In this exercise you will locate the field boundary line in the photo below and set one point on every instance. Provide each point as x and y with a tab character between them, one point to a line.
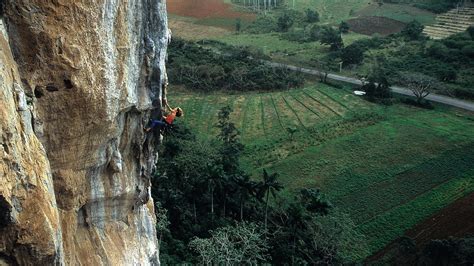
244	117
294	112
276	111
321	103
333	99
311	110
263	117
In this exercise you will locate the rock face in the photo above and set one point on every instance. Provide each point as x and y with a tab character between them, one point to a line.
79	80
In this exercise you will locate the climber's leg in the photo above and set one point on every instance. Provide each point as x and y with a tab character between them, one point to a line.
154	124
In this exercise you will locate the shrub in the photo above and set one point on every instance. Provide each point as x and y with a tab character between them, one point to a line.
446	73
352	54
284	22
312	16
344	27
437	50
413	30
297	35
468	50
470	31
331	37
263	24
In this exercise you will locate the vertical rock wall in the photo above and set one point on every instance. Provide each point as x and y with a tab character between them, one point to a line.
90	73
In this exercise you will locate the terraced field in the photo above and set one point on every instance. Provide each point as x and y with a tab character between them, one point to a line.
388	167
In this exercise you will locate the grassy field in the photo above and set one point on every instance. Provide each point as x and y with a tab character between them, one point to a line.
281	50
388	167
403	13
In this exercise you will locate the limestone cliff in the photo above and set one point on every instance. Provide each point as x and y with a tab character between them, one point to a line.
79	79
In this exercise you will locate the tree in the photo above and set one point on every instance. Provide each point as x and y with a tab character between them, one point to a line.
215	175
413	30
352	54
238	24
470	30
313	201
246	188
378	87
162	221
451	251
334	240
269	185
243	244
331	37
312	16
420	84
229	135
325	65
284	22
344	27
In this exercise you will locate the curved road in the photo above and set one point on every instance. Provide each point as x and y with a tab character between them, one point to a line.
400	90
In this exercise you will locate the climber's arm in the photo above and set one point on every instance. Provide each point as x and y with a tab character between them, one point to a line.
164	94
166	105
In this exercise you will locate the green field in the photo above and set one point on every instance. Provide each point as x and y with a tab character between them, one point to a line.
388	167
403	13
281	50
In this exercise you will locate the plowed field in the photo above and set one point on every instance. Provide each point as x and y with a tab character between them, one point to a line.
204	9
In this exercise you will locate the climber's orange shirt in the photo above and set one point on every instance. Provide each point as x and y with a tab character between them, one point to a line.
170	118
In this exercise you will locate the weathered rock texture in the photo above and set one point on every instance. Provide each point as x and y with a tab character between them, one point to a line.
78	83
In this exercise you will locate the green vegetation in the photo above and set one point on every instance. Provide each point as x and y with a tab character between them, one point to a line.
437	6
241	244
283	50
451	251
382	163
228	68
387	167
205	197
401	12
448	60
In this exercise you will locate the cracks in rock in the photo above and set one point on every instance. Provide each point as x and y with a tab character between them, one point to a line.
82	217
38	92
68	84
5	213
51	87
114	157
5	148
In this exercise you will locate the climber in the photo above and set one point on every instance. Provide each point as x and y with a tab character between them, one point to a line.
173	113
166	120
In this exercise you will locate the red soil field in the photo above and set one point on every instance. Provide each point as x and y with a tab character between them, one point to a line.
204	9
456	220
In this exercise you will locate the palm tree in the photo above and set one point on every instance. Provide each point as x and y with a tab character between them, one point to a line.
268	186
246	187
214	177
